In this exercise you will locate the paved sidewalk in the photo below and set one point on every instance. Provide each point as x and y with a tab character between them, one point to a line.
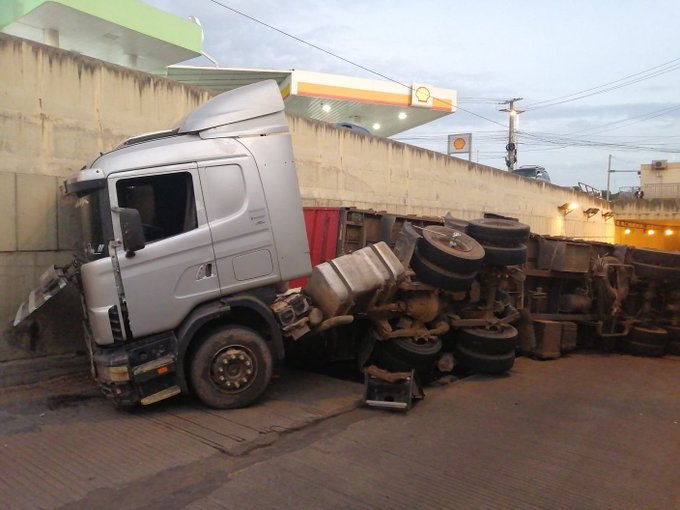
589	431
584	432
60	440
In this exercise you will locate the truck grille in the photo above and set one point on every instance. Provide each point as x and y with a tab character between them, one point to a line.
116	326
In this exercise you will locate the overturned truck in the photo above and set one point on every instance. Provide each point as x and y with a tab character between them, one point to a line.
475	294
192	235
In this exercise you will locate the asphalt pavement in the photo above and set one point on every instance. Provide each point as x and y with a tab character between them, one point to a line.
585	431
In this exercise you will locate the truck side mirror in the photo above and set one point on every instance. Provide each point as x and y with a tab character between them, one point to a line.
133	230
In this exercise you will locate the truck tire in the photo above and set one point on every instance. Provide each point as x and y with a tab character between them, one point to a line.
231	368
498	231
651	335
655	257
673	340
500	339
657	273
414	350
644	349
429	273
500	256
450	249
404	354
484	363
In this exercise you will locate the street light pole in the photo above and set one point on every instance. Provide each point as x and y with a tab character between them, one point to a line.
511	147
609	174
610	171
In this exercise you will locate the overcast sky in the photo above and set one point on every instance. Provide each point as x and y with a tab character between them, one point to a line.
489	51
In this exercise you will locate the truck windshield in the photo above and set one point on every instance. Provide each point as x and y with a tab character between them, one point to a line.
94	244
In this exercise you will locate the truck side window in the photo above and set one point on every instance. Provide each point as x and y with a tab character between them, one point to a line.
165	203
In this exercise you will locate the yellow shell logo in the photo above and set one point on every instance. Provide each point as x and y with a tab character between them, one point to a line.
423	94
459	143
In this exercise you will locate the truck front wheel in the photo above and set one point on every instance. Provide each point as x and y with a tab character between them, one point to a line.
231	368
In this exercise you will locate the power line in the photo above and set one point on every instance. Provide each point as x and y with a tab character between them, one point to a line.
562	142
646	74
335	55
639	118
576	142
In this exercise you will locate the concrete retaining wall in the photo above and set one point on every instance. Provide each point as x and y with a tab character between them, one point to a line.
342	167
59	109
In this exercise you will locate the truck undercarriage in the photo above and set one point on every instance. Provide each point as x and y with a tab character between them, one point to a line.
472	295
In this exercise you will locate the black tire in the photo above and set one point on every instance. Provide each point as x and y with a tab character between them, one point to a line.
673	340
450	249
498	231
644	349
404	354
457	223
651	335
410	349
231	368
388	362
505	256
500	339
673	333
657	273
484	363
655	257
429	273
674	348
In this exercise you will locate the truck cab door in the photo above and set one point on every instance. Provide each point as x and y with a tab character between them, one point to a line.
236	206
175	271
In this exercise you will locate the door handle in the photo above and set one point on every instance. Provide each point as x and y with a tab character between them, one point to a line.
205	271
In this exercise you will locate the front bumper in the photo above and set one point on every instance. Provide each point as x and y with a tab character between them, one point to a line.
122	377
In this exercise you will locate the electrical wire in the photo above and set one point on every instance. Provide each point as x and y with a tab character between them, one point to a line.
561	141
576	142
335	55
627	122
646	74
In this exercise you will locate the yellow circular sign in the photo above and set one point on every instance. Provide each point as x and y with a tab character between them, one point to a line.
423	94
459	143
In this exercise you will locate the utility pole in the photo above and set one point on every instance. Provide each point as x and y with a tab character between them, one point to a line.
609	174
511	146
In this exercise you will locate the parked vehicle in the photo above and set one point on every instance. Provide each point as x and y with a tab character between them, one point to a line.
353	127
532	172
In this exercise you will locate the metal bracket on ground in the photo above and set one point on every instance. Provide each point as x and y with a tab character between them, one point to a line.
391	390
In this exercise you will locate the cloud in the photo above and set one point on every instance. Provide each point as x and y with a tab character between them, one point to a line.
485	50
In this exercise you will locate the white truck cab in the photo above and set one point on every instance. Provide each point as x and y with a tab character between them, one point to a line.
188	236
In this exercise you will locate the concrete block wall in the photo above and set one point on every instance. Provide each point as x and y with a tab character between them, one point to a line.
340	167
58	110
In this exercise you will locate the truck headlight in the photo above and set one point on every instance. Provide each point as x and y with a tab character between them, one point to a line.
112	367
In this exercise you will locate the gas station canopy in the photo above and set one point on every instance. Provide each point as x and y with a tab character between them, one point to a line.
134	34
384	108
125	32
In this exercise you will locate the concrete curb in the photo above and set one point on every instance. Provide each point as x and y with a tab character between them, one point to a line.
32	370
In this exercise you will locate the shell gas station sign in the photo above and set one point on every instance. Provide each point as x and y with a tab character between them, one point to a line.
421	95
460	144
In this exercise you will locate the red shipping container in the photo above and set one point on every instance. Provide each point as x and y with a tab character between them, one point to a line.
322	224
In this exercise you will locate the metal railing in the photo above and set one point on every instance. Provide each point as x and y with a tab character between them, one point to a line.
627	192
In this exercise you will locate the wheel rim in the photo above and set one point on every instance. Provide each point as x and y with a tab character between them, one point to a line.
233	369
454	241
